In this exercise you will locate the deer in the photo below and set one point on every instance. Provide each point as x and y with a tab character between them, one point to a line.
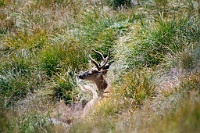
96	75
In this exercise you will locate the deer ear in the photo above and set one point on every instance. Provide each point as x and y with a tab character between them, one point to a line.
104	71
111	62
107	66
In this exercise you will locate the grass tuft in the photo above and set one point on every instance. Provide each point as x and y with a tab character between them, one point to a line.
137	87
45	44
64	88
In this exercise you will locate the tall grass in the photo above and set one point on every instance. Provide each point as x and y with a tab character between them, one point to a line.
138	86
45	43
65	88
34	123
168	37
185	116
4	120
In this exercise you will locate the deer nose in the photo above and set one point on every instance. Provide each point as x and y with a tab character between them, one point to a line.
82	75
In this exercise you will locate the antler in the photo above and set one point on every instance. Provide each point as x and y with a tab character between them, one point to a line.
95	62
99	53
103	62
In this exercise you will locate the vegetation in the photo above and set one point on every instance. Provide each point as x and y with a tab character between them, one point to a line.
156	74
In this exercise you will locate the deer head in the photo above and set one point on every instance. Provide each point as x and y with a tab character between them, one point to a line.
96	73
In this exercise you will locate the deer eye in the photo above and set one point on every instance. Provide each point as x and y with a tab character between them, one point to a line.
89	72
95	71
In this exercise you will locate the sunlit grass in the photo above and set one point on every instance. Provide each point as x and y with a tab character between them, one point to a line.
185	117
45	43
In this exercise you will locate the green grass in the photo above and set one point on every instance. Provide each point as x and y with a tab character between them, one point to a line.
45	44
34	123
185	117
166	37
138	86
65	88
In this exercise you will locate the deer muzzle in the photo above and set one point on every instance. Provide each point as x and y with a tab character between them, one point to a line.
83	75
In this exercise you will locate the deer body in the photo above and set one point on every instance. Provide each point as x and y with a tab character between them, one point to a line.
96	74
92	102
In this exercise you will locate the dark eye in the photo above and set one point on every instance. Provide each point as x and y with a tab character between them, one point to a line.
95	71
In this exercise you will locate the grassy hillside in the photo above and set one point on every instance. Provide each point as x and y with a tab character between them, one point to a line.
156	74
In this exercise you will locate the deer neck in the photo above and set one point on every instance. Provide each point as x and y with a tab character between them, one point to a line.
101	83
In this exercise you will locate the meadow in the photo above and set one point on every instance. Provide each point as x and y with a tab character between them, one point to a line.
45	44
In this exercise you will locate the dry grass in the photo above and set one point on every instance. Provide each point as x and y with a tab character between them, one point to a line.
155	45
